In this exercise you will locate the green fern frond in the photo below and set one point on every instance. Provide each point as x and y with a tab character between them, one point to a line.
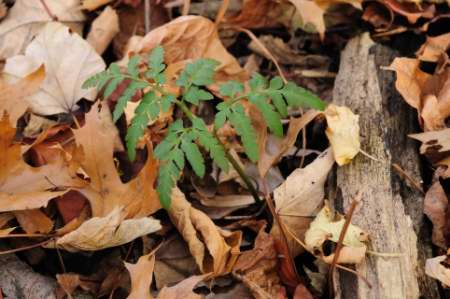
193	155
241	122
129	92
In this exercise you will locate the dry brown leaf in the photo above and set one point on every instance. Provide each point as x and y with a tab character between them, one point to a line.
301	197
276	148
27	17
34	221
323	228
183	290
410	10
3	9
435	207
65	74
93	4
434	47
23	187
436	268
410	80
312	12
436	147
258	268
214	250
343	133
188	38
12	96
103	30
141	275
260	13
106	191
109	231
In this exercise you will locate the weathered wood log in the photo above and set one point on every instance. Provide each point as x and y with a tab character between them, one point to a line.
391	211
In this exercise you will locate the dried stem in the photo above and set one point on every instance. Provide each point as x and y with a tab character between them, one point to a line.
348	218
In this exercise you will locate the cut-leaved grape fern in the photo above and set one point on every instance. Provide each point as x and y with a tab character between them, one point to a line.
272	98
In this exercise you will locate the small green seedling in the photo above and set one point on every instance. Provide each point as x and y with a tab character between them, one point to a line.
272	98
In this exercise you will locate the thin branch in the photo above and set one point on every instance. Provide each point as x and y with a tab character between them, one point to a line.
348	218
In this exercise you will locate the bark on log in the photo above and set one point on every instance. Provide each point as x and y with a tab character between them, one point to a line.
390	211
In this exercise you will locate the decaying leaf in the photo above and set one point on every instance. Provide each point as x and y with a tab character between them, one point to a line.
257	268
34	221
435	207
434	48
276	147
12	96
437	268
312	12
65	74
23	187
410	10
301	197
141	275
109	231
436	146
343	133
27	17
103	30
429	94
187	38
323	228
218	250
106	191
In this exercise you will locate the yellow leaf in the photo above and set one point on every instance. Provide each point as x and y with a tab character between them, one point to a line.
109	231
324	228
343	133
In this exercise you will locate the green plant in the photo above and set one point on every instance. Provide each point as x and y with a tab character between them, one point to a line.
272	98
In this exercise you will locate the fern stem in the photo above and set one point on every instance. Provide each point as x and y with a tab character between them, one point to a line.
230	158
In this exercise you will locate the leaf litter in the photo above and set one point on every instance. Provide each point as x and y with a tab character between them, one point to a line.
68	187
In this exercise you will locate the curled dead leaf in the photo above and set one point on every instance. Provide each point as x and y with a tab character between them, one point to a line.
343	133
109	231
214	250
323	228
103	30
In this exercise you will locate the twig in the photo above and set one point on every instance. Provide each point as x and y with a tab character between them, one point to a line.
147	16
404	174
281	225
25	247
50	14
348	218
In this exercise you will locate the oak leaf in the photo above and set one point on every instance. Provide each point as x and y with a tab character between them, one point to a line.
12	96
141	275
27	17
109	231
65	74
343	133
23	187
106	191
301	197
214	250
